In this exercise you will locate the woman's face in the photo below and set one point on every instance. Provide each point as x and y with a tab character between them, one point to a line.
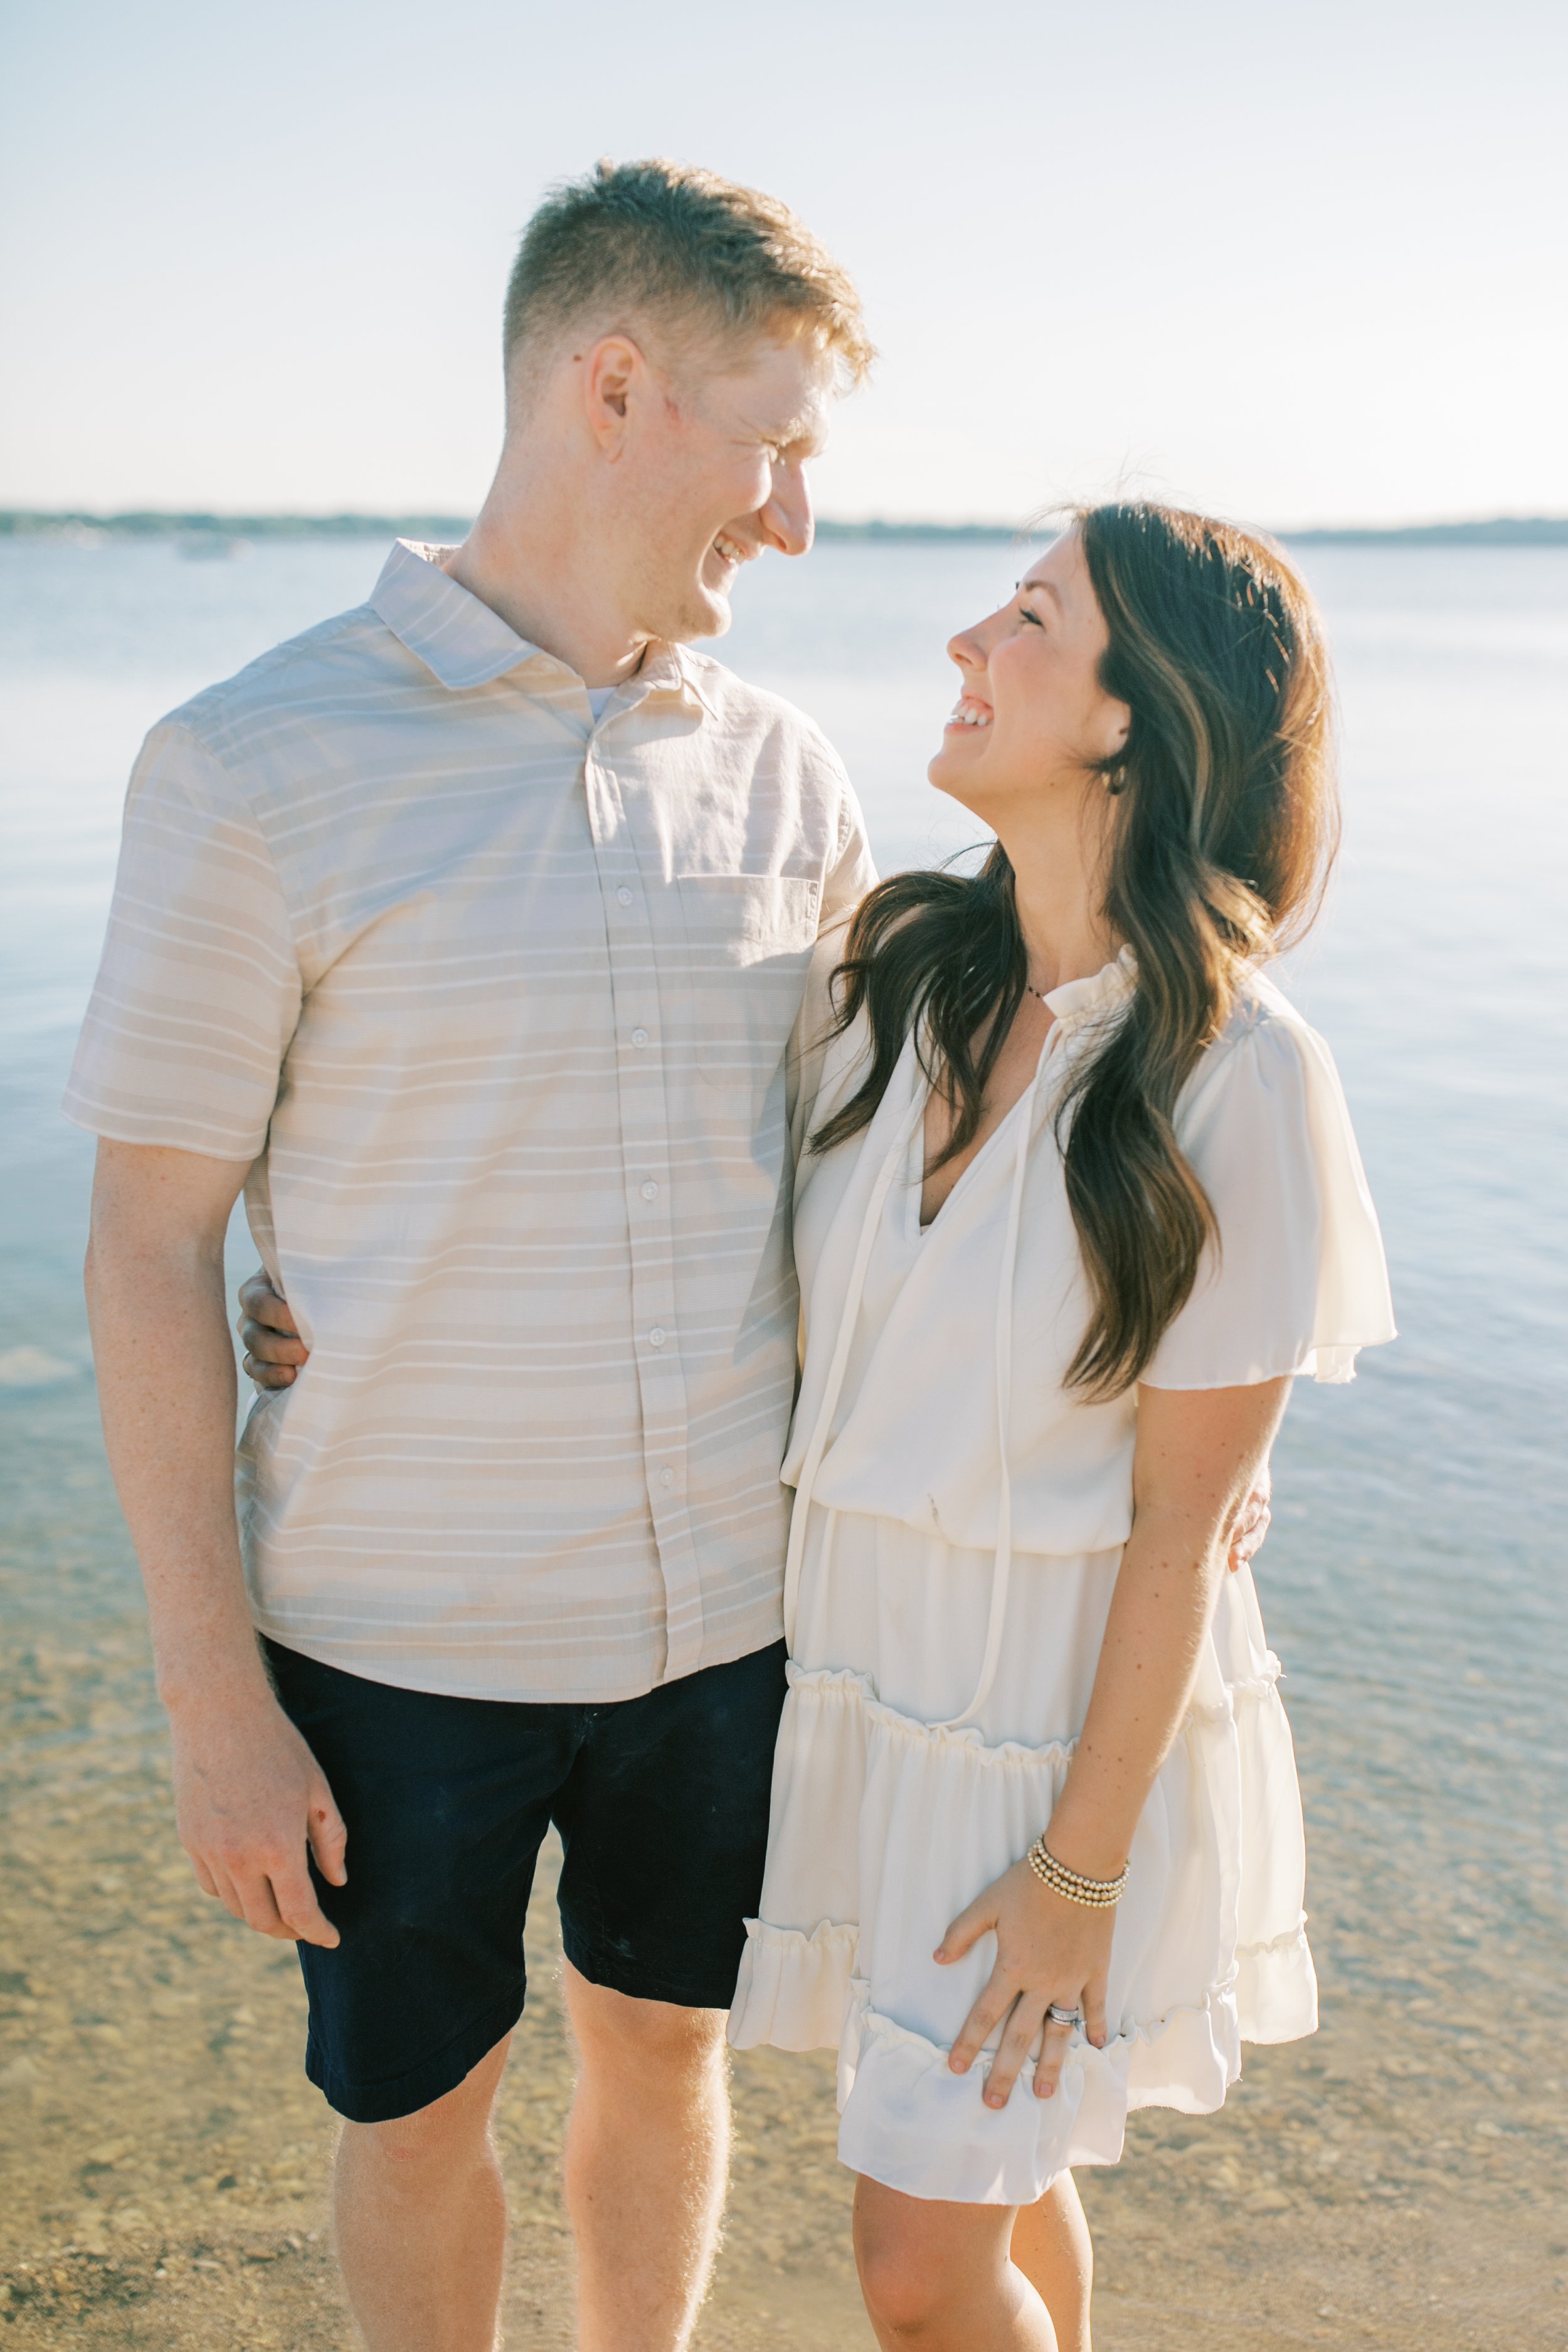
1032	716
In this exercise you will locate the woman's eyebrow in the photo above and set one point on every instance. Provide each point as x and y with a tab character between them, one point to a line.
1041	588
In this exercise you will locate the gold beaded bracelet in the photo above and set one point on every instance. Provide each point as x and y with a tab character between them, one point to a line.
1098	1894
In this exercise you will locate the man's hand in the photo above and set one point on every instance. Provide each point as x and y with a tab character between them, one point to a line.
251	1802
273	1347
1251	1523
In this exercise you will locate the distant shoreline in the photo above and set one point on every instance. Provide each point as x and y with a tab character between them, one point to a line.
20	522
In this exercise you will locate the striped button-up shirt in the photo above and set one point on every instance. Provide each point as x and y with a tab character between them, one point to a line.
496	998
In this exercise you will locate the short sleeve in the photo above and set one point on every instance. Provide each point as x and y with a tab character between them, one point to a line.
1299	1282
815	1034
198	991
853	871
852	874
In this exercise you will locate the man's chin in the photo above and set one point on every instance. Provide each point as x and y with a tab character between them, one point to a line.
706	614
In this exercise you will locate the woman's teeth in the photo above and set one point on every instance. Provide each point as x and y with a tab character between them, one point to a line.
970	714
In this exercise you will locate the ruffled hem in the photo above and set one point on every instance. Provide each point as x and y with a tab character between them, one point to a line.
910	2122
792	1988
1276	1987
1211	1948
846	1686
965	1740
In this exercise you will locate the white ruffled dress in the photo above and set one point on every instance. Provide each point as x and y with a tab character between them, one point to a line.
948	1592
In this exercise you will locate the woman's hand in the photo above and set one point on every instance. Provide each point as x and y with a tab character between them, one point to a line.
1047	1950
269	1336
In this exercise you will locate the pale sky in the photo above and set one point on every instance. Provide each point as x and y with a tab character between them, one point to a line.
1297	263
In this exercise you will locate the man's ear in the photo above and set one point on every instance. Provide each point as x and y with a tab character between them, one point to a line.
613	373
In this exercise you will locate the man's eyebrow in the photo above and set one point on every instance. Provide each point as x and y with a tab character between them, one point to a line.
810	424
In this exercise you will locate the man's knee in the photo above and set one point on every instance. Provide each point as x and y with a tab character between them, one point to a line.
449	2129
644	2037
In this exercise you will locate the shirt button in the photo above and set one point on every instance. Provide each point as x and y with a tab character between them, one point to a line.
650	1191
666	1477
658	1336
623	895
639	1037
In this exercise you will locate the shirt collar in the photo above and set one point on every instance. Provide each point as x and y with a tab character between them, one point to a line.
674	669
465	644
1079	1000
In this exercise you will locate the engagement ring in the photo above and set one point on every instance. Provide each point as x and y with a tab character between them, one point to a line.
1056	2015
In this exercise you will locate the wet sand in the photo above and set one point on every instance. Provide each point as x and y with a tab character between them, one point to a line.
1398	2180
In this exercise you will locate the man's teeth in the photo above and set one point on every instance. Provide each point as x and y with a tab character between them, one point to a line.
969	714
729	550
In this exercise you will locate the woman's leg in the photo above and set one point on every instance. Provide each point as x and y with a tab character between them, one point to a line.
1052	2247
940	2277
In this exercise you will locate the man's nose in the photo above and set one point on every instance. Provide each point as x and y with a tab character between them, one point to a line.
787	518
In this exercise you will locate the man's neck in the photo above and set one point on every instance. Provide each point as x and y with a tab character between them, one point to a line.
523	559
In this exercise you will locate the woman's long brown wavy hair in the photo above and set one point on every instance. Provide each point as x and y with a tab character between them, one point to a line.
1224	829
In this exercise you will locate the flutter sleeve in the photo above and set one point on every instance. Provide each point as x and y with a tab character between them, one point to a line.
1298	1282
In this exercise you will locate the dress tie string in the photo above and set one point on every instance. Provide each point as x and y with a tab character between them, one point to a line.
847	1319
1002	1566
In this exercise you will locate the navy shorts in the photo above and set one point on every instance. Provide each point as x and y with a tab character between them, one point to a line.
662	1806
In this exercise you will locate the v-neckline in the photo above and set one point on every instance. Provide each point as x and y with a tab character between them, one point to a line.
917	1144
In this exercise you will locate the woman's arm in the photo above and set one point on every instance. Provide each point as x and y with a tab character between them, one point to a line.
1199	1454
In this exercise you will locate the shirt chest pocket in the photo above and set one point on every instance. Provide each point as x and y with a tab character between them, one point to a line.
748	941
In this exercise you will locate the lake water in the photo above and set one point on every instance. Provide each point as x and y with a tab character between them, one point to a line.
1401	2179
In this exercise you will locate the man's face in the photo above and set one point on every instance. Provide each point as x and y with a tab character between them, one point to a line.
712	471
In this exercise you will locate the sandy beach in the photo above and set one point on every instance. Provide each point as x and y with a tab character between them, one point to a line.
165	2161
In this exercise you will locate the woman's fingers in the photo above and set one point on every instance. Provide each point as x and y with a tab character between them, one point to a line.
967	1929
1055	2044
1094	2024
1013	2049
271	1347
269	1335
982	2019
262	1304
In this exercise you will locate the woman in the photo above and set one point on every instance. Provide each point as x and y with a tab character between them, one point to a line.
1078	1198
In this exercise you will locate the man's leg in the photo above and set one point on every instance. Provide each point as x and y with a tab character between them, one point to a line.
421	2222
647	2157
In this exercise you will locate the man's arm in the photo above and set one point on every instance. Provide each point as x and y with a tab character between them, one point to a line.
250	1797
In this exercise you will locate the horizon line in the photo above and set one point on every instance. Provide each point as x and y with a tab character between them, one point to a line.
23	523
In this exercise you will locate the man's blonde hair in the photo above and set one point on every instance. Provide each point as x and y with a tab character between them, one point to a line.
683	249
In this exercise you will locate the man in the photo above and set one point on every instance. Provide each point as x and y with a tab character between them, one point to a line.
465	933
